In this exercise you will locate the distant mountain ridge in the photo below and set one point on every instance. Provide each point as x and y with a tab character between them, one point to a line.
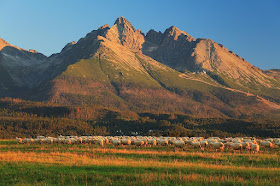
275	73
123	68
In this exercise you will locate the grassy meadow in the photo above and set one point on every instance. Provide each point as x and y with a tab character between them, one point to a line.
89	164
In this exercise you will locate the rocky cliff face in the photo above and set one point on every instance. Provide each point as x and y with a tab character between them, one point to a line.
173	48
180	51
124	33
216	58
21	65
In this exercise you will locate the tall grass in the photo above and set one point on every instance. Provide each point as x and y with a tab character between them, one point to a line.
90	164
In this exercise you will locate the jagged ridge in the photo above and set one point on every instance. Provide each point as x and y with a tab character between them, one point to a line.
111	67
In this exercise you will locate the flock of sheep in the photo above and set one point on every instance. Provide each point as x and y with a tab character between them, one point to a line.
238	143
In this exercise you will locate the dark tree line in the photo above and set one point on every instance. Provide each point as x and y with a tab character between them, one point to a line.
28	119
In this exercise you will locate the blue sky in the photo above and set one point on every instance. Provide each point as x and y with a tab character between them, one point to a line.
250	28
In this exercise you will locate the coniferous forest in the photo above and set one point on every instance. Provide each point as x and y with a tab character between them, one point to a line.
21	118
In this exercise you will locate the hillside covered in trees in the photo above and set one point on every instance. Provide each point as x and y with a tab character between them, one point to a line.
20	118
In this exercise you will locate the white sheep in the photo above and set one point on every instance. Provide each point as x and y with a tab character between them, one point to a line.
27	140
196	144
125	141
245	145
236	146
237	143
266	144
204	143
116	142
218	145
19	140
106	141
99	142
163	142
255	147
67	141
139	142
152	142
179	143
79	140
49	140
37	141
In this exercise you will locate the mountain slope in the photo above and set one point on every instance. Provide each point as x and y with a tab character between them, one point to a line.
275	73
182	52
111	67
120	76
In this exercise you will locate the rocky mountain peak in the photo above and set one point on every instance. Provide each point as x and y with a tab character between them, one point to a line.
173	29
124	23
176	33
68	46
32	51
103	27
3	43
154	37
125	34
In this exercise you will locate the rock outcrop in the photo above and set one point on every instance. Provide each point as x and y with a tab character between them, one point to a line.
122	32
182	52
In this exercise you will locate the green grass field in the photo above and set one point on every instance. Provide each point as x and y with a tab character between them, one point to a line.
88	164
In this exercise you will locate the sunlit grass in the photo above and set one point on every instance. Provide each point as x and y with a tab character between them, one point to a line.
91	164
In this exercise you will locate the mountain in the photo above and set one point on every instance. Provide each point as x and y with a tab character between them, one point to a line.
180	51
121	67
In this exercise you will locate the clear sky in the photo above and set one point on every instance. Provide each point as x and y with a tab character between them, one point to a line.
250	28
